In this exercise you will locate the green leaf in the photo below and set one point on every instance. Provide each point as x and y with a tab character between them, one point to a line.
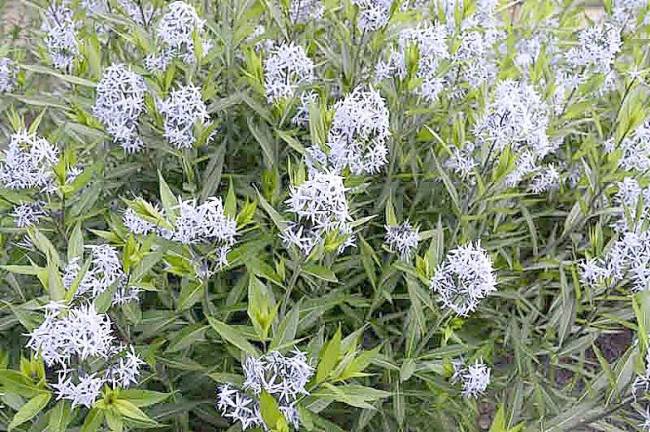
130	410
142	398
449	185
286	331
356	367
76	243
15	382
32	270
69	78
44	245
230	206
391	219
352	394
59	417
233	336
93	420
188	336
167	198
28	411
641	306
114	421
273	214
499	422
271	414
320	272
55	286
191	292
328	357
262	309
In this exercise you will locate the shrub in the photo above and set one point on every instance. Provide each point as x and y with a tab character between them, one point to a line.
277	215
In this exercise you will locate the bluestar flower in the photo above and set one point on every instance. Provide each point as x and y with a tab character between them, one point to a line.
84	392
126	370
358	137
596	52
60	35
94	7
431	43
176	30
140	13
7	75
303	11
182	110
516	117
373	14
119	105
402	239
462	161
236	405
285	377
320	207
635	149
545	179
301	118
28	214
464	278
136	224
286	69
28	163
627	259
474	378
81	333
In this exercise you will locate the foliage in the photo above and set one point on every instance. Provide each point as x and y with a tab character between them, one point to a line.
325	216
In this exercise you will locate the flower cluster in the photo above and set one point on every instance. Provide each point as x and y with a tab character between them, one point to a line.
104	271
176	31
431	43
358	137
283	377
193	224
545	179
7	75
402	239
320	207
204	223
182	110
475	59
28	163
140	13
628	258
60	35
597	48
286	68
69	339
94	7
474	378
304	11
634	148
517	118
236	405
462	161
630	194
373	14
28	214
119	104
301	118
465	277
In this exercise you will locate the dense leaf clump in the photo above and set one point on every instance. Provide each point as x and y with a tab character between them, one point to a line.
325	215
